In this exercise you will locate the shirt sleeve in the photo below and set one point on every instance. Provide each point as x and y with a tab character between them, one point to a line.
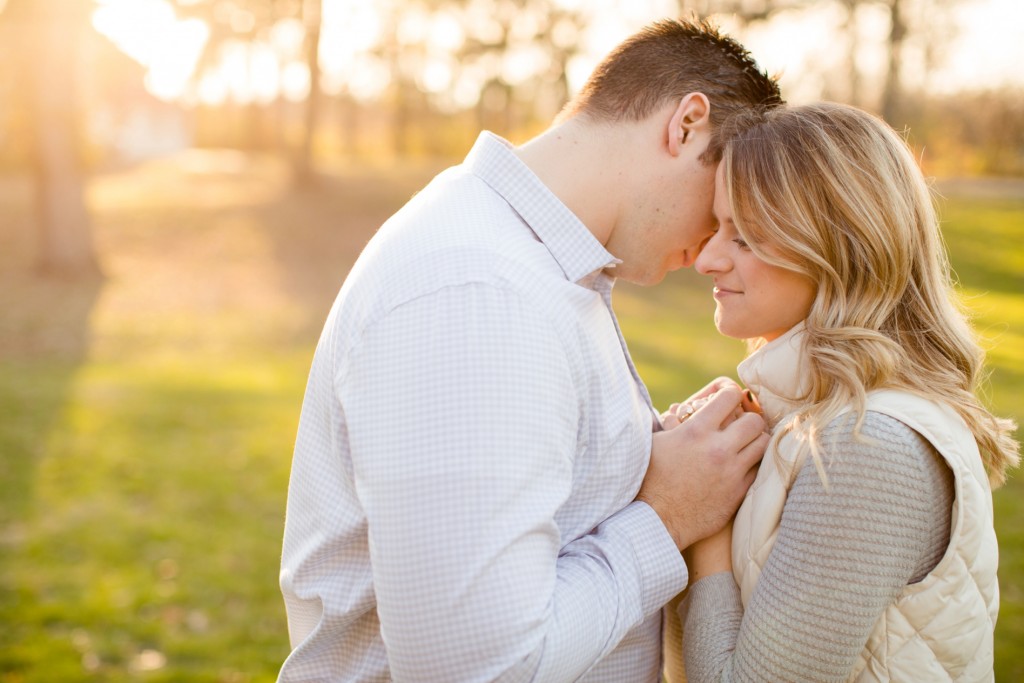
462	422
847	550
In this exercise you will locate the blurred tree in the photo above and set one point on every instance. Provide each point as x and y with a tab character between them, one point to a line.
312	12
490	27
403	50
425	68
969	133
892	92
504	60
925	23
249	22
559	34
523	49
744	11
49	38
232	23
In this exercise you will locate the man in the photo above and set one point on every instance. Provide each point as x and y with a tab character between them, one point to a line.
481	489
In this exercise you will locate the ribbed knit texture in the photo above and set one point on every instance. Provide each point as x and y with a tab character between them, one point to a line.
841	557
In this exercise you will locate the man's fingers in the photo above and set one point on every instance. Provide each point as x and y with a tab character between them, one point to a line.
752	453
749	477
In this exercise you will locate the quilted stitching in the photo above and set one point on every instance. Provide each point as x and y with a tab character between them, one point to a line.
924	630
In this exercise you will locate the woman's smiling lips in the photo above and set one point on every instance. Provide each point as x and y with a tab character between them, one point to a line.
722	292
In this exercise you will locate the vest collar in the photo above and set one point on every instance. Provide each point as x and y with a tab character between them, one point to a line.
774	374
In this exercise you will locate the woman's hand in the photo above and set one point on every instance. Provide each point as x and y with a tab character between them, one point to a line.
711	388
710	555
677	413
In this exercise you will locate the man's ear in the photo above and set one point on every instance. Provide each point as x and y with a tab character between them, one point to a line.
691	115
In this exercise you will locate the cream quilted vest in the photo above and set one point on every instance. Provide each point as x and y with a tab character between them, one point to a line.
939	629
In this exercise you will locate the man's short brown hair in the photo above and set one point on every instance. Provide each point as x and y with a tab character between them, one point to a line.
663	63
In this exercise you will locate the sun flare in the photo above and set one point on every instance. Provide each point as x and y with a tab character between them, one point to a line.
149	32
982	54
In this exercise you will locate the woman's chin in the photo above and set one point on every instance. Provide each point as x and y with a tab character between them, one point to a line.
724	328
726	332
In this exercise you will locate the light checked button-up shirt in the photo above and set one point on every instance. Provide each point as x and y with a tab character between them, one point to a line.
471	441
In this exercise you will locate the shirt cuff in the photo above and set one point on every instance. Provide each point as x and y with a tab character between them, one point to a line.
660	565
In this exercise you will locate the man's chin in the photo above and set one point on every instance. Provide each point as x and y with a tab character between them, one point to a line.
657	276
646	278
651	279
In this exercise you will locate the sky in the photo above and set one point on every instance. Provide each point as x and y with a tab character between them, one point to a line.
985	53
992	44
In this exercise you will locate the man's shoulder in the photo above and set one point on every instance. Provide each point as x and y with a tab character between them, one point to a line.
456	232
456	194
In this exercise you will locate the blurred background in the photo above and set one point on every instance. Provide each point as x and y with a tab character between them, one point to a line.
185	183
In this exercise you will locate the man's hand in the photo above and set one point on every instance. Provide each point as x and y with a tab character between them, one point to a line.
701	469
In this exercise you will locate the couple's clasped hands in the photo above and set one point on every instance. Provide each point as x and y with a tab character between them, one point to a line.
701	466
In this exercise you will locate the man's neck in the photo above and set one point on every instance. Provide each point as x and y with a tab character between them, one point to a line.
586	166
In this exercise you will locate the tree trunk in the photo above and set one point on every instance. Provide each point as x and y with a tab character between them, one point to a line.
402	122
348	120
52	37
852	50
311	14
893	90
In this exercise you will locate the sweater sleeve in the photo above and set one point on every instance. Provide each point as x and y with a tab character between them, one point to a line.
841	556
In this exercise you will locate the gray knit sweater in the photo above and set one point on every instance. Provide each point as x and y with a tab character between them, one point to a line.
840	558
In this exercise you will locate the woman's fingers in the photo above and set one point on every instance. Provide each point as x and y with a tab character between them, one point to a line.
678	413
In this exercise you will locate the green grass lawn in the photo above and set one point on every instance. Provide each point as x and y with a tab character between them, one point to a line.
148	419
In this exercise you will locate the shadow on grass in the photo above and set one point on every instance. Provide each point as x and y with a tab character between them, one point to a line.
149	419
44	339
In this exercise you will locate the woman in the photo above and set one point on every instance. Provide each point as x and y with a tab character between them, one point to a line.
865	548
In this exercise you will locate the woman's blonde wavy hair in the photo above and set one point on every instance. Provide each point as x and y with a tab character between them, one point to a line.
832	192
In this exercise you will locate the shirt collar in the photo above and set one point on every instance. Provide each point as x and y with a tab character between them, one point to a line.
572	245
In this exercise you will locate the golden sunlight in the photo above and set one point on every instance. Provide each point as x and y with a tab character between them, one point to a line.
149	32
982	53
988	50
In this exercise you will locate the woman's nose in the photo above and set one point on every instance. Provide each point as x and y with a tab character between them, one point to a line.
709	259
